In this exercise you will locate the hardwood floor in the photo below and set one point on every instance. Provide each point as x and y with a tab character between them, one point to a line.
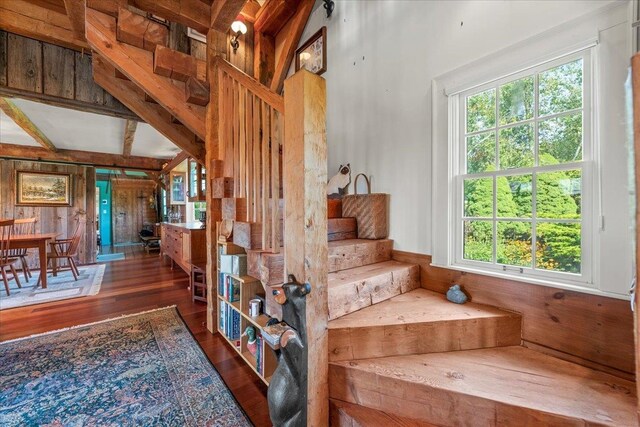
142	282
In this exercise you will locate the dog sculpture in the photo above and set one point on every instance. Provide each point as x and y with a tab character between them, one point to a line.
338	184
287	394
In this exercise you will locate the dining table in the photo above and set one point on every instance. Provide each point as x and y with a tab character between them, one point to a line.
37	241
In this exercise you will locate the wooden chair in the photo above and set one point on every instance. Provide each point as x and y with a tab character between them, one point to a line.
67	249
20	227
6	228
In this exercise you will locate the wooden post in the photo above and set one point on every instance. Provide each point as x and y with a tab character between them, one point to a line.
215	44
305	219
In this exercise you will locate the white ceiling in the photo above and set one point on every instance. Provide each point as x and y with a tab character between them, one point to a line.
77	130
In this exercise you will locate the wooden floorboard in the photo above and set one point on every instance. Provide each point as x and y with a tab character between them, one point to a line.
142	282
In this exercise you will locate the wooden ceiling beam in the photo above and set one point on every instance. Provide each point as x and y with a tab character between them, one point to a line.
192	13
18	116
130	127
291	44
134	99
75	12
273	15
25	152
224	12
179	158
30	20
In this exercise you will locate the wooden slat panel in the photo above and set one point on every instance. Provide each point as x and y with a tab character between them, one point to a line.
59	71
266	174
3	58
86	90
276	138
24	63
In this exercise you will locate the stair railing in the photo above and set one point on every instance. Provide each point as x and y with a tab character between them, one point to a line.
251	120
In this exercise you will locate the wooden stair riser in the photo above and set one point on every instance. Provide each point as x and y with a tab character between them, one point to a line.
342	229
344	414
138	31
268	267
347	254
509	386
196	92
222	188
176	65
249	234
347	295
234	209
420	338
334	208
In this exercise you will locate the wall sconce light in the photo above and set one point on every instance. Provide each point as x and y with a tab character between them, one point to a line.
328	7
239	28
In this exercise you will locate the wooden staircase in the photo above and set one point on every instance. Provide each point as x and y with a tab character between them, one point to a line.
400	355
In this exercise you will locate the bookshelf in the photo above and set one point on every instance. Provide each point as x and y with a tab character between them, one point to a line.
233	312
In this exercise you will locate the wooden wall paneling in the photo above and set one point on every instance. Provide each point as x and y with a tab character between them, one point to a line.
130	208
59	70
178	39
305	242
86	89
24	63
264	58
243	58
635	82
592	330
3	58
52	219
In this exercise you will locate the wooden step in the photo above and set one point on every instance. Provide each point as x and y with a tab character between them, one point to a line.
507	386
334	208
344	414
360	287
417	322
139	31
352	253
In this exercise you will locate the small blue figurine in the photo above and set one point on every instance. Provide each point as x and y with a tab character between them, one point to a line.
455	294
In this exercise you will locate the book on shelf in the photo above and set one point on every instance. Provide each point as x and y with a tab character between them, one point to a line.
272	334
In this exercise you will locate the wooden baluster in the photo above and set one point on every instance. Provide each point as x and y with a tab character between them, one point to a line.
249	155
275	180
236	139
266	130
257	211
242	140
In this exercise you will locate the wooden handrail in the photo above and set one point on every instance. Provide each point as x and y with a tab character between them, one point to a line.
267	95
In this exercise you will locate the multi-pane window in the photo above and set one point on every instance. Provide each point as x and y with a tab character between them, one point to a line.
524	150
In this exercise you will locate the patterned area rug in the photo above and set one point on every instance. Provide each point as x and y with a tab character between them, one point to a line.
139	370
60	287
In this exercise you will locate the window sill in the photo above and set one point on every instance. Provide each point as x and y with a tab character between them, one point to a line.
533	281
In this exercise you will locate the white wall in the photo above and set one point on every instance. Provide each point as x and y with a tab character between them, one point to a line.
381	59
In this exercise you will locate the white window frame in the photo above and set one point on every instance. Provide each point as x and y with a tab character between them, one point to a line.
457	115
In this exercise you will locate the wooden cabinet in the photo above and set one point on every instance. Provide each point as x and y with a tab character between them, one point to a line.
184	243
197	181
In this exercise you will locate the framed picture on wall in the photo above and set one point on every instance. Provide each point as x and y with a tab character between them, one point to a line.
43	188
178	186
313	54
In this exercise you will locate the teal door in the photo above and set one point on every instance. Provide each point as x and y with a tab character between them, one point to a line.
104	206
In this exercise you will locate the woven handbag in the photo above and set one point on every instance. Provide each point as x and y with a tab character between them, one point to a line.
369	210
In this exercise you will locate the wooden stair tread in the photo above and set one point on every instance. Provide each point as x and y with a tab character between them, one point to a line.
417	306
420	321
497	386
359	287
351	253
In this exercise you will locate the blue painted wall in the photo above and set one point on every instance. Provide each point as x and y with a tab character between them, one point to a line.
105	211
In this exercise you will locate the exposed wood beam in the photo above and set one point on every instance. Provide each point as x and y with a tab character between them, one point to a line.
224	12
72	104
155	177
250	11
29	20
179	158
75	12
273	15
16	114
129	133
133	98
192	13
291	44
24	152
137	65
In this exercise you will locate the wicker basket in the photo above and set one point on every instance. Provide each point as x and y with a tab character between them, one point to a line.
370	211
